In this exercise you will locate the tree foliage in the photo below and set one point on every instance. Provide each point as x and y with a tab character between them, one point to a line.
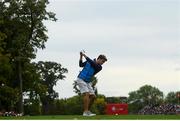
22	23
145	95
50	73
173	97
99	105
22	33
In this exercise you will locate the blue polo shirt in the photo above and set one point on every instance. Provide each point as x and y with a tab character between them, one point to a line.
90	68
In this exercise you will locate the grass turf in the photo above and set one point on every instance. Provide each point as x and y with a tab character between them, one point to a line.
98	117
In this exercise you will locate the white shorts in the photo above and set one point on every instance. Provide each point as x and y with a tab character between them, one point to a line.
84	86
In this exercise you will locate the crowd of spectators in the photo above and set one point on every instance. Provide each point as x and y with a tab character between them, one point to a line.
10	113
161	109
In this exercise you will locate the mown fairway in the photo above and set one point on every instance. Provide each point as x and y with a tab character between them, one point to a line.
101	117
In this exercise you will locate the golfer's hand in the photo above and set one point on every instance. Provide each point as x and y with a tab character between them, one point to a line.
81	54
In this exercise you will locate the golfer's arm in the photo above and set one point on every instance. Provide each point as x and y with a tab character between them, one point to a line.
81	63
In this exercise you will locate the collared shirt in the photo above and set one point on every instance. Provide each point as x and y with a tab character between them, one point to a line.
90	69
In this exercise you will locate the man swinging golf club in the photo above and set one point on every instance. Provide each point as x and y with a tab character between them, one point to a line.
90	68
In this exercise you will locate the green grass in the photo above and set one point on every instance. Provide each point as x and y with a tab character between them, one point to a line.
98	117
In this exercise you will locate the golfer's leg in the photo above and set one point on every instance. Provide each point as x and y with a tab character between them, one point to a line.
86	101
92	95
91	100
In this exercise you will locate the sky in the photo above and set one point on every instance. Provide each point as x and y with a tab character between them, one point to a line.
140	38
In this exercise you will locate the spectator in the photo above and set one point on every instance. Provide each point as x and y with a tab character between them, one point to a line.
161	109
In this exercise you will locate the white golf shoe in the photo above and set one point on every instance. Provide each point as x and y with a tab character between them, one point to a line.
88	113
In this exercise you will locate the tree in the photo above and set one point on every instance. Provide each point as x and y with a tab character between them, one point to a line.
34	88
61	107
74	105
8	94
172	97
99	105
146	95
50	73
21	23
112	99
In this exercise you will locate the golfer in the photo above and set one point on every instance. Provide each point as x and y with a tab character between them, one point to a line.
90	68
